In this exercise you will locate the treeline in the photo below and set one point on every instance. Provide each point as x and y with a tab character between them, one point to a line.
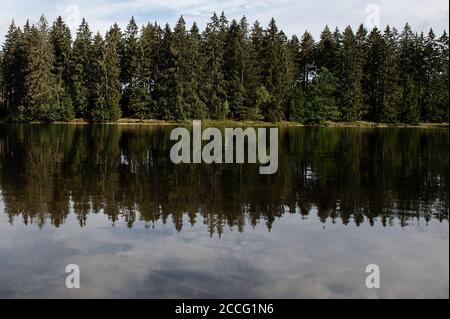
230	70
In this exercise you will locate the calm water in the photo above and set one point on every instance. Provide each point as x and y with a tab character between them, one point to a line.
108	199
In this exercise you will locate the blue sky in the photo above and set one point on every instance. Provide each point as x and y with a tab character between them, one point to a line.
293	16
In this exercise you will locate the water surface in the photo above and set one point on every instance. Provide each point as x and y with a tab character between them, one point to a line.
108	199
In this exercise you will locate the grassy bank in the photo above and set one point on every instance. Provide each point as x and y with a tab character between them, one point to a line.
233	123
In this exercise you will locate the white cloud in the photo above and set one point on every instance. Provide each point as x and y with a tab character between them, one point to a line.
293	16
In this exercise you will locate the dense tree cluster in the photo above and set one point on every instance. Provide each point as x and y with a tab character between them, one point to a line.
230	70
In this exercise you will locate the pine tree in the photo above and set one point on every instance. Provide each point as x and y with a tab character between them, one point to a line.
214	83
97	110
374	70
104	77
12	69
257	95
361	37
112	73
351	90
194	92
61	41
278	69
250	75
409	104
43	100
2	89
234	68
431	68
129	64
167	89
328	52
143	102
79	66
140	96
440	96
306	60
257	49
181	74
390	81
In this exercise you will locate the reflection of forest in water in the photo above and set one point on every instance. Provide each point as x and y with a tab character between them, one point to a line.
355	175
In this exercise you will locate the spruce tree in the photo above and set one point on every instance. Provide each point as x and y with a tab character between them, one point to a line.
361	37
140	97
352	75
194	92
307	63
390	80
181	75
327	53
257	49
212	55
167	89
374	70
112	73
104	77
42	99
409	104
234	68
2	87
440	96
129	64
431	69
143	102
12	69
61	41
79	67
97	104
277	72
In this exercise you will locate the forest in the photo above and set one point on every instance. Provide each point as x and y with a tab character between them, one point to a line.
230	70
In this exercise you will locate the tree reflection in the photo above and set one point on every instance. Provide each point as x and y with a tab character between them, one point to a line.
124	173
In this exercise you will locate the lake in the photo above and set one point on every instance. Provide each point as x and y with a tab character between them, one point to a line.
108	199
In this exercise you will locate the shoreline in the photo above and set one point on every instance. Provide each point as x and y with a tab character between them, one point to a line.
234	123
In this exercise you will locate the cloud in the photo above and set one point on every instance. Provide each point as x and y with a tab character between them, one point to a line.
293	16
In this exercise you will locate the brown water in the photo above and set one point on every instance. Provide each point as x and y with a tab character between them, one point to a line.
108	199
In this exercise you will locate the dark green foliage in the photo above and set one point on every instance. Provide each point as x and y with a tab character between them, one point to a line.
317	103
79	66
142	102
104	79
352	78
213	42
61	41
13	64
327	53
409	70
2	88
129	62
193	91
277	71
306	61
45	98
226	71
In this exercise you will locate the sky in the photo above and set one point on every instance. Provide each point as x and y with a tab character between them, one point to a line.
293	16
